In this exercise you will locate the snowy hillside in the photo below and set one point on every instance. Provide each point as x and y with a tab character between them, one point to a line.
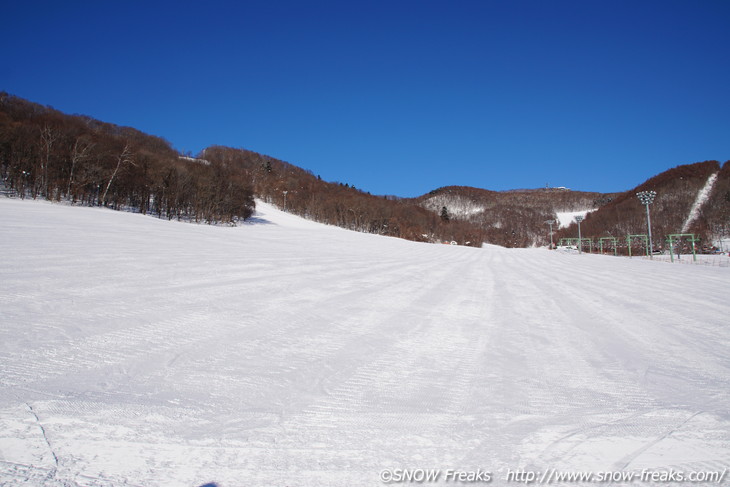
567	218
142	352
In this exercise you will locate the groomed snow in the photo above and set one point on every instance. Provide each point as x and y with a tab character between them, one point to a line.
142	352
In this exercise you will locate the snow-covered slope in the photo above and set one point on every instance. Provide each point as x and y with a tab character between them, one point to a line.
135	351
700	200
566	218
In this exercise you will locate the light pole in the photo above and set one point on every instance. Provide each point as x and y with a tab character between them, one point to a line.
550	224
580	238
285	192
647	198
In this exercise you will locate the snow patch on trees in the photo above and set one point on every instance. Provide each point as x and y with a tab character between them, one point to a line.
204	162
458	206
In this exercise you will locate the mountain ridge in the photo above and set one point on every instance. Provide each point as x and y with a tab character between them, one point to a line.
47	154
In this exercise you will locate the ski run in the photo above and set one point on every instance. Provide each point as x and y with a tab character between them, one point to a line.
702	197
141	352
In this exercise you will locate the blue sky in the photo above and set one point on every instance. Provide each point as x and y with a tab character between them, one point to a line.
396	97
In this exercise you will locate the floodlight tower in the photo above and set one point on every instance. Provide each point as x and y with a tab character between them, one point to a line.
550	224
647	198
579	219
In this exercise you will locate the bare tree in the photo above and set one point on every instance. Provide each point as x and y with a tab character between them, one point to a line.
124	158
48	138
80	152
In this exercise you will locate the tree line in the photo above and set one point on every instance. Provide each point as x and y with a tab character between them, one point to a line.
47	154
300	192
50	155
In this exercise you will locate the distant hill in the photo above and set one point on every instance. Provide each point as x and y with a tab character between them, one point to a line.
47	154
692	198
511	218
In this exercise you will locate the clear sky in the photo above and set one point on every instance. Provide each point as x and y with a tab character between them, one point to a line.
396	97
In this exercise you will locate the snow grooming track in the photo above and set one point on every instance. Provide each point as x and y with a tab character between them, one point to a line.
45	436
284	352
700	200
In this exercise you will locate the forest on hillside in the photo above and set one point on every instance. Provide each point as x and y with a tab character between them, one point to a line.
50	155
511	218
300	192
47	154
677	190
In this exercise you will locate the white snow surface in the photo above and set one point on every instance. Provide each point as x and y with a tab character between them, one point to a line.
700	200
136	351
566	218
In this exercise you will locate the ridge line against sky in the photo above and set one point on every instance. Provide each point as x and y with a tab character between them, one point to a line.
397	97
